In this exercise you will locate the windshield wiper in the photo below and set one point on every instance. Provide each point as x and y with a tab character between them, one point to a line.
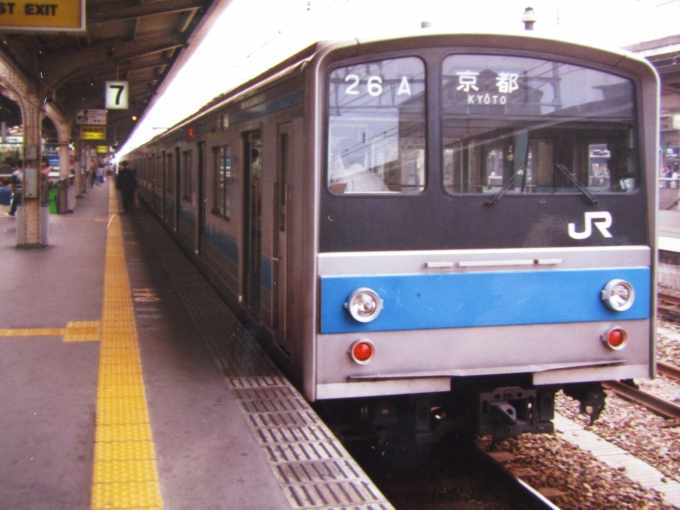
520	173
576	183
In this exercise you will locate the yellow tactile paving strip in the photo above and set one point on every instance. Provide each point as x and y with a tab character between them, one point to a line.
82	331
33	332
125	472
73	332
69	218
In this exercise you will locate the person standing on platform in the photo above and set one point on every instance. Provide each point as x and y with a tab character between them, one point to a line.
45	170
5	196
100	173
126	183
17	186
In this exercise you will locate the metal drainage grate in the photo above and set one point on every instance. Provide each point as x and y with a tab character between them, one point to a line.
313	469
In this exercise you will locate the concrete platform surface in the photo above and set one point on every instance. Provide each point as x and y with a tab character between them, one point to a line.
126	383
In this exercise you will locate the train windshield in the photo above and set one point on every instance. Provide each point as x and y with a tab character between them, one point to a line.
525	125
377	128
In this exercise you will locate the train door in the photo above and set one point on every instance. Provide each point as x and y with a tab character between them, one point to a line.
178	194
201	198
252	220
280	263
163	186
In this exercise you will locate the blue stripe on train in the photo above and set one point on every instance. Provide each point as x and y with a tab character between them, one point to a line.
187	217
223	242
459	300
266	277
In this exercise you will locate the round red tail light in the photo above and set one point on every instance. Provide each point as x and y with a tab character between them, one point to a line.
616	338
362	351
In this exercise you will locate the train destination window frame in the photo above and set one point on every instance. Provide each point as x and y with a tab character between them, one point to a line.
377	127
525	125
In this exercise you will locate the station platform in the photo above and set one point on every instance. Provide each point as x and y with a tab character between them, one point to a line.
126	383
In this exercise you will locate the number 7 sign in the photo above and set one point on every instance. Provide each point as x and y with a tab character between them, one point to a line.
117	95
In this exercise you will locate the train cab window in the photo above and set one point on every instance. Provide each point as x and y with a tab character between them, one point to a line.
223	178
376	128
524	125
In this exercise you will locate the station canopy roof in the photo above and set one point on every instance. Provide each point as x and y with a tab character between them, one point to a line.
664	55
143	42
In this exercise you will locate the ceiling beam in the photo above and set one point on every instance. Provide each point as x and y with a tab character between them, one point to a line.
59	69
671	76
185	20
98	89
129	10
106	69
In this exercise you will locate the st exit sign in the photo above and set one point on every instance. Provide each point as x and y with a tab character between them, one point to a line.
52	16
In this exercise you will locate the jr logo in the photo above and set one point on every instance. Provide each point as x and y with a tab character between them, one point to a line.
602	220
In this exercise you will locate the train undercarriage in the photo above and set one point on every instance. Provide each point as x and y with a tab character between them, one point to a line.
500	407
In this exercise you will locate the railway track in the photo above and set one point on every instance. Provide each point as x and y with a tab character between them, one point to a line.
522	494
668	370
668	306
453	474
658	404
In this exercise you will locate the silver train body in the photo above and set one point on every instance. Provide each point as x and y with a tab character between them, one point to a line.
439	229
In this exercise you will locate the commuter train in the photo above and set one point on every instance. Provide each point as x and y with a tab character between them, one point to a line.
429	233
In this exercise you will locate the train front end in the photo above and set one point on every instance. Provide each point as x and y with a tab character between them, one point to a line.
485	230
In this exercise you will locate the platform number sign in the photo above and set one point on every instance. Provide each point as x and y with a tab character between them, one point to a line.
117	95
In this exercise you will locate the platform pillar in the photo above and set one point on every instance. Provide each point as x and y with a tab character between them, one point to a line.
32	224
80	177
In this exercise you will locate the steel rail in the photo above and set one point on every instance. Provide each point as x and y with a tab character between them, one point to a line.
653	402
668	298
522	493
668	306
668	370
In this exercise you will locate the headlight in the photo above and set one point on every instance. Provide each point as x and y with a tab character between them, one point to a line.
364	305
618	295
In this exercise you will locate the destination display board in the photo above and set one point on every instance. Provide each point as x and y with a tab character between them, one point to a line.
93	132
491	85
57	15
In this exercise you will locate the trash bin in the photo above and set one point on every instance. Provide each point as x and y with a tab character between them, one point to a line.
52	200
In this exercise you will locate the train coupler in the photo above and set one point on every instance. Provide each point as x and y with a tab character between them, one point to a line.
510	411
503	413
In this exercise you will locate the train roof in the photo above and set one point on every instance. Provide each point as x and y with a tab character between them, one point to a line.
523	41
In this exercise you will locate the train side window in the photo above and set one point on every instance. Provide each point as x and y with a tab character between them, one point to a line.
168	174
187	183
222	178
280	186
377	128
158	174
525	125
